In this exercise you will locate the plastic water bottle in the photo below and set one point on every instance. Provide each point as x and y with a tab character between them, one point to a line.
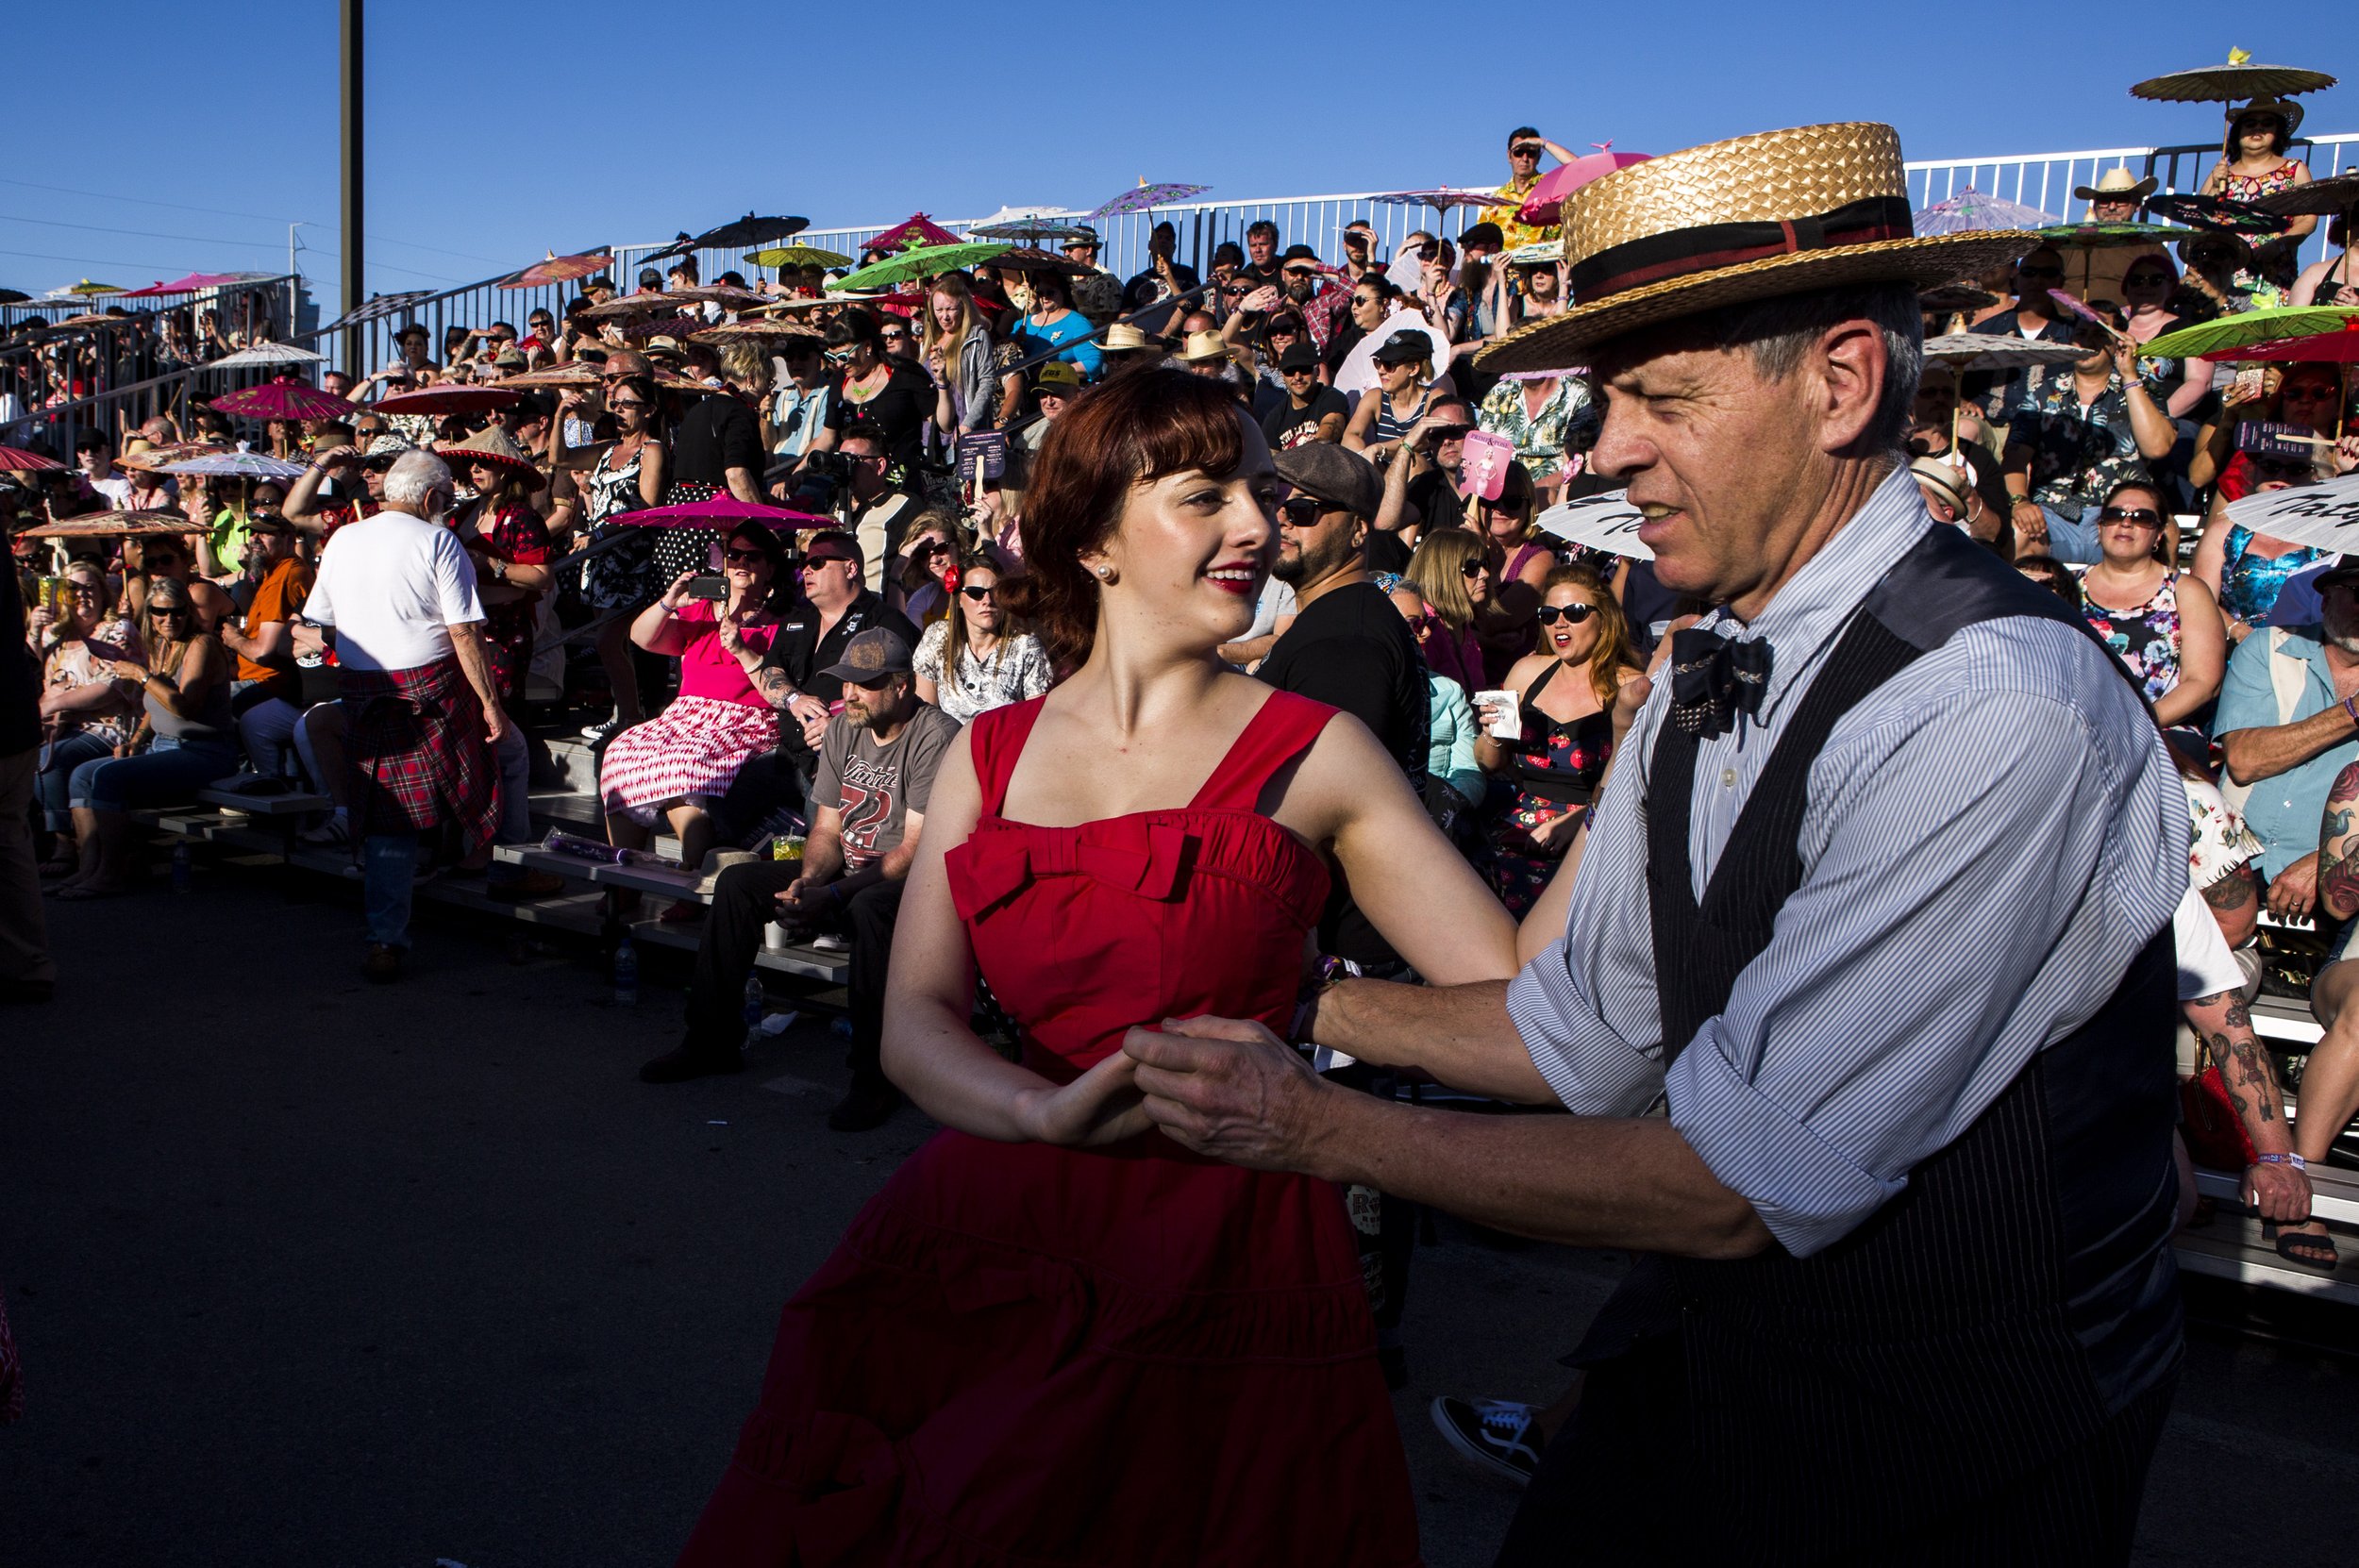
756	1000
180	868
627	975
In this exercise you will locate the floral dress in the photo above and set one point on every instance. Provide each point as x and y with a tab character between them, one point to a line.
2146	637
2249	584
1556	775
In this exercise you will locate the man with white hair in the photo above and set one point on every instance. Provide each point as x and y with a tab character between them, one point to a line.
397	599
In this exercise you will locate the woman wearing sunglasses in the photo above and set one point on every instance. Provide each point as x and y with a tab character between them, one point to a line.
1564	705
979	657
1452	575
677	764
84	714
2163	622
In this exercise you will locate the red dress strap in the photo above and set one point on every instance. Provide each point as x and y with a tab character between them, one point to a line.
1277	733
997	740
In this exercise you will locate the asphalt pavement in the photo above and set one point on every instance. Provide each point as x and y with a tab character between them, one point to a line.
312	1273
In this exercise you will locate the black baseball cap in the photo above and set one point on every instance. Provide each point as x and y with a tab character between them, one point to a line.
1402	347
1298	356
1482	234
1300	253
871	656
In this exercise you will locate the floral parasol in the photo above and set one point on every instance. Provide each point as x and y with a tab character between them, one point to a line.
1145	198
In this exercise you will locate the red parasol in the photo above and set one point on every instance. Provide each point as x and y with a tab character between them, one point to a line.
437	401
115	525
191	284
15	459
917	230
558	269
720	508
284	400
1544	202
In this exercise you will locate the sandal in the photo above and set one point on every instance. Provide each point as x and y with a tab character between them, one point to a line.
2308	1248
88	890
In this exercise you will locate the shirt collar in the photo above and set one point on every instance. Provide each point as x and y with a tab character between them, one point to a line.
1802	618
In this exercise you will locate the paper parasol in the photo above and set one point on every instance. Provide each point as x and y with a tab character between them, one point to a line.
1606	522
1965	294
1544	202
159	457
2238	77
193	283
2320	198
798	256
115	525
240	464
1145	198
2323	516
2222	339
917	229
558	269
768	328
2216	215
2108	236
573	372
723	507
284	400
379	308
923	261
269	354
672	300
437	401
1025	228
1965	351
1972	209
748	230
1024	258
15	459
1440	198
663	326
86	287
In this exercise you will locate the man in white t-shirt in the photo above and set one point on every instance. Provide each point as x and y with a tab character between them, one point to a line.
94	454
397	592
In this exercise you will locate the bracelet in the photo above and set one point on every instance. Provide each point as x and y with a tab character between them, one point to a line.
2351	706
2294	1159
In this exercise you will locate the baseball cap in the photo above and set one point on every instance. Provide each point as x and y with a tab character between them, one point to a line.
871	656
1482	234
1403	347
1300	253
1298	356
1058	379
1333	474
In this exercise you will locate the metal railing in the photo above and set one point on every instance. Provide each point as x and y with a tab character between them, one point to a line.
2041	180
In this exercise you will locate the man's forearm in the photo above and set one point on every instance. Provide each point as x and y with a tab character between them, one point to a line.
823	859
2267	750
466	641
1459	1034
1580	1180
2225	1025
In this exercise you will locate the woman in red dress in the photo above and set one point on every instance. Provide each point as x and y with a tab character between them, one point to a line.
1055	1336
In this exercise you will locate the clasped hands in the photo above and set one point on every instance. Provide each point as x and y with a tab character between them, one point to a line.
1223	1087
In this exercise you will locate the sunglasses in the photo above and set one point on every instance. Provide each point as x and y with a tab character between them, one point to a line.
978	594
1471	568
813	563
1570	614
1524	149
744	557
894	335
1298	512
931	547
1449	432
2145	517
629	403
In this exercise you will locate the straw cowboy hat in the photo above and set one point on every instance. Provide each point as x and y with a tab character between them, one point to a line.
1203	346
1122	338
1731	221
492	447
2115	185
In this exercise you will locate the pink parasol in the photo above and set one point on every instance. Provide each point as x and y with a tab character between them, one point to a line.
283	400
2334	348
437	401
115	525
917	229
191	284
558	269
724	507
1544	202
15	459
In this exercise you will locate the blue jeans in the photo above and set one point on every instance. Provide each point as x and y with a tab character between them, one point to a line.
2072	536
389	869
167	774
514	757
67	753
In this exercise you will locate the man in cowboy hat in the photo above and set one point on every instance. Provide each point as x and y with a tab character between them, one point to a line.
2116	198
1877	900
1097	294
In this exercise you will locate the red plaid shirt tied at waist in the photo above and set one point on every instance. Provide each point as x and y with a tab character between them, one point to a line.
417	745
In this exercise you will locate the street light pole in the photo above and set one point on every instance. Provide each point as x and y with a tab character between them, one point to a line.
353	289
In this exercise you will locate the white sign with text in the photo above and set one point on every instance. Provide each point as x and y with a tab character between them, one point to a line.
1605	521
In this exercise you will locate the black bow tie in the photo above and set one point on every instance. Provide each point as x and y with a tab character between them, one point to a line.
1714	678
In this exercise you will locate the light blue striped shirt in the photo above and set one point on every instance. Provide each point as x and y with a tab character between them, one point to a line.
1990	837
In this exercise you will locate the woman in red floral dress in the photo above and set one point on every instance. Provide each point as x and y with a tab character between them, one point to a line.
1056	1336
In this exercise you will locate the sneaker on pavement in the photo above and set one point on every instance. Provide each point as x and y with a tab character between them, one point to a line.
382	965
1496	1434
693	1058
335	833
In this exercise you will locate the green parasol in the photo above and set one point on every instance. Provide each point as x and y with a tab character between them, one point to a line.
798	256
2088	239
922	262
2219	340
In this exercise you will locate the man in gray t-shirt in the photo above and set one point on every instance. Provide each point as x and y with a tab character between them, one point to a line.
877	765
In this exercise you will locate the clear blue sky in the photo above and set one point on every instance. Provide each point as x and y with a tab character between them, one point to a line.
500	129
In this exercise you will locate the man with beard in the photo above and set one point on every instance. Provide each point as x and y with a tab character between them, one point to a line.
1349	647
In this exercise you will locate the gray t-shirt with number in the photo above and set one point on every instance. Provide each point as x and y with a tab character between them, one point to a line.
875	787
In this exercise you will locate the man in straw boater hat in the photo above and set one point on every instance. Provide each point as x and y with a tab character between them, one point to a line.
1877	898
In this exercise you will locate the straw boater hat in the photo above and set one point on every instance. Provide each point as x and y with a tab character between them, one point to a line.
492	447
1122	338
2115	185
1731	221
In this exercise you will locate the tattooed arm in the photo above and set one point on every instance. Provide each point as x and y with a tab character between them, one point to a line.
2234	901
2339	846
2224	1024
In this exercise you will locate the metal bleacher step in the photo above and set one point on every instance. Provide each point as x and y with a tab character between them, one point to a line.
810	964
2232	1248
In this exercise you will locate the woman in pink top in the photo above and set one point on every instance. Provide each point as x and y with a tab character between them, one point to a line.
687	755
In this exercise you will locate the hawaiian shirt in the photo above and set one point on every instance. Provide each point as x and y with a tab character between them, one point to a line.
2217	839
1539	440
1507	214
2079	452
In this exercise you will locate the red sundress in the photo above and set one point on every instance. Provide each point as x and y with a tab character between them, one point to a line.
1024	1354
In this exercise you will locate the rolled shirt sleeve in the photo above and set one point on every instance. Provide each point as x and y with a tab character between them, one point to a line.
1945	930
454	580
